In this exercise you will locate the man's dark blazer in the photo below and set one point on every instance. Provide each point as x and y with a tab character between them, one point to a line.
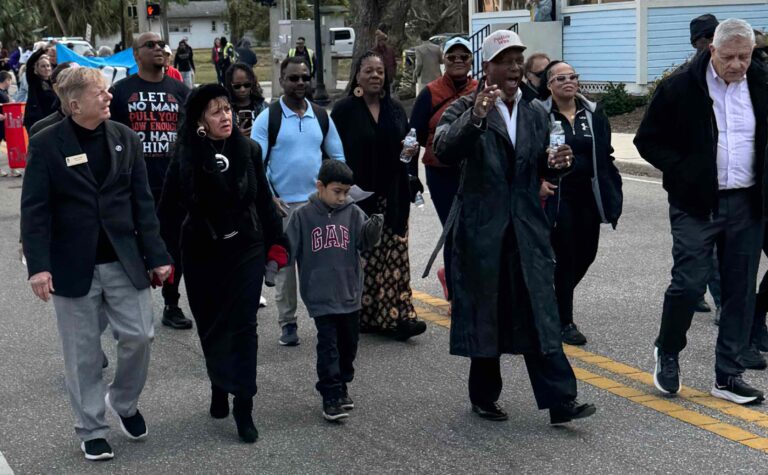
62	209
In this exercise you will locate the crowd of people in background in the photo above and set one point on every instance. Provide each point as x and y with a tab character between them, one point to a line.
155	180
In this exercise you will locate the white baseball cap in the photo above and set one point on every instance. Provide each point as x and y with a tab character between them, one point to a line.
457	41
499	41
167	49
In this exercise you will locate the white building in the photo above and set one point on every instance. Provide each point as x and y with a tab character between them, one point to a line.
200	21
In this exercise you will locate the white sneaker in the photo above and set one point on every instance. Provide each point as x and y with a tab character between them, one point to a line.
3	173
262	302
15	173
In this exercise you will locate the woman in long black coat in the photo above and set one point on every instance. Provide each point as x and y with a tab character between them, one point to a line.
216	187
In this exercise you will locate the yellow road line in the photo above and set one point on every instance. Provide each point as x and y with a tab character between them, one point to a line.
662	405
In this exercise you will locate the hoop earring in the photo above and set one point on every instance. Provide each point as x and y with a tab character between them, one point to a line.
358	92
201	132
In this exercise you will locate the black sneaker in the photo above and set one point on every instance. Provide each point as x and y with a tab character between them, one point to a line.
569	411
332	410
492	412
407	328
133	427
760	338
752	359
702	306
346	402
735	389
97	449
572	336
666	376
289	337
173	317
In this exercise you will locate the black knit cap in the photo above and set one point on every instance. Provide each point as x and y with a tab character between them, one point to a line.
703	27
197	103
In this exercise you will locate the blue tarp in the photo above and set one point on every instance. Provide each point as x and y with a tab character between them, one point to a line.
123	59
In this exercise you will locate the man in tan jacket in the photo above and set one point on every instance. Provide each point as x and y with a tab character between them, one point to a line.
428	60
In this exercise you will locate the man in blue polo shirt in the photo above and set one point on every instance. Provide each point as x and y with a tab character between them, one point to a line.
292	167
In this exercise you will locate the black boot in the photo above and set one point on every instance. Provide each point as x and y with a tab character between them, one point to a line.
242	410
407	328
219	403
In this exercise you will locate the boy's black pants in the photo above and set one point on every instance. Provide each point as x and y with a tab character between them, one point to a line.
337	337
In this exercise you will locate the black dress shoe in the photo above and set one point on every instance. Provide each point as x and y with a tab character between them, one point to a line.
569	411
752	359
407	328
702	306
572	336
492	412
173	317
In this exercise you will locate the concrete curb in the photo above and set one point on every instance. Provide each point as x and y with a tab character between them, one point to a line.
637	167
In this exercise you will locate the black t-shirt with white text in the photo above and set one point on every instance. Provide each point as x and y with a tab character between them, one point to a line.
153	110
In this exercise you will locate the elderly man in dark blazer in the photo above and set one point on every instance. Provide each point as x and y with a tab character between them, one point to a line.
92	241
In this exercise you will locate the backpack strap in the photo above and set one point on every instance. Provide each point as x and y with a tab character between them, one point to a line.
323	120
273	128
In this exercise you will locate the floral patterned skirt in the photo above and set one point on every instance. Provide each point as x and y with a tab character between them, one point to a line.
387	296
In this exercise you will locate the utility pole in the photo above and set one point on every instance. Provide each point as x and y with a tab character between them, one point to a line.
320	95
141	11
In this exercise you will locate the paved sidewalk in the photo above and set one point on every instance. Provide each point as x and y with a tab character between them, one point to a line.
628	159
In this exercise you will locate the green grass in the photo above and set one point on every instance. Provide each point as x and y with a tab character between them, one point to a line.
205	73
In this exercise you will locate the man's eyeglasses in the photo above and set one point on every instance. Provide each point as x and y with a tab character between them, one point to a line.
561	78
296	77
458	58
151	44
245	85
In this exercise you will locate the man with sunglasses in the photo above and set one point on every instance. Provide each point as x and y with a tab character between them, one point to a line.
705	129
502	276
534	69
432	101
152	105
294	136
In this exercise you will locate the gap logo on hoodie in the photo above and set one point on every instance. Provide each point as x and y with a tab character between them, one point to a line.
329	236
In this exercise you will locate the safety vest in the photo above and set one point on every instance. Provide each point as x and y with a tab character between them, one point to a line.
292	53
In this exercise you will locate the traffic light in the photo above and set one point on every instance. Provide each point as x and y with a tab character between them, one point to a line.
153	10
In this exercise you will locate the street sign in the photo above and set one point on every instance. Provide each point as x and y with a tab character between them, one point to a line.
88	31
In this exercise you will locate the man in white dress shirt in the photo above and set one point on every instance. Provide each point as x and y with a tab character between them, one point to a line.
705	129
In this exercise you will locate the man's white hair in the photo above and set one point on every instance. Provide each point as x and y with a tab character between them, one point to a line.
733	28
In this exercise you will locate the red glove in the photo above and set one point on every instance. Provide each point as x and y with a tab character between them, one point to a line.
278	254
156	280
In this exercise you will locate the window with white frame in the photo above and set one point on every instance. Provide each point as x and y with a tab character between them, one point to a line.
213	25
179	26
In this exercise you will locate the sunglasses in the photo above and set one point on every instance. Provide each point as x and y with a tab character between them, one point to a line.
296	77
245	85
458	58
561	78
151	44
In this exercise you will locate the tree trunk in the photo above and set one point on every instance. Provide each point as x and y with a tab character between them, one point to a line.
367	15
398	15
58	18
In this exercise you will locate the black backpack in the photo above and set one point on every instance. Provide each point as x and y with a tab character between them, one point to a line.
276	119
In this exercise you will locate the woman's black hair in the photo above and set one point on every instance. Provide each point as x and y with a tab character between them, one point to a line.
544	91
257	93
359	65
197	103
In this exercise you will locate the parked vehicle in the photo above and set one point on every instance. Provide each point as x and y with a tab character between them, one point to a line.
342	42
79	45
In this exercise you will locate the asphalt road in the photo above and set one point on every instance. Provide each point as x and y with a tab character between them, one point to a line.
412	412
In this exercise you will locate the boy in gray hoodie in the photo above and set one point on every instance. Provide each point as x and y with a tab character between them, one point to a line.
326	237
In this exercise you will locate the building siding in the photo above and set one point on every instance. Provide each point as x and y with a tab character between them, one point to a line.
601	44
505	19
669	36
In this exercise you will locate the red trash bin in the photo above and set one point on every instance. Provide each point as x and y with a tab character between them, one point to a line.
15	134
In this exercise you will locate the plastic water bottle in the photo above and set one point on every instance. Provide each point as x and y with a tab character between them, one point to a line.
556	138
409	142
419	201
